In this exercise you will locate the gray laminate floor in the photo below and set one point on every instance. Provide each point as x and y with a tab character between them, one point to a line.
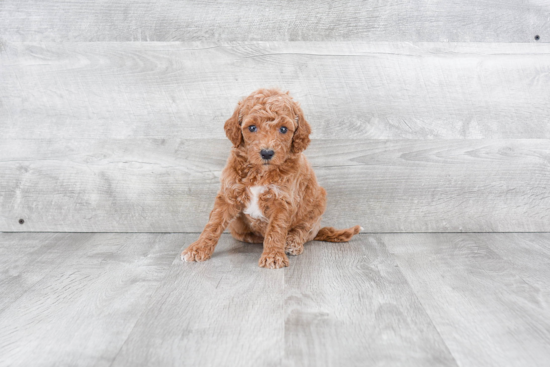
125	299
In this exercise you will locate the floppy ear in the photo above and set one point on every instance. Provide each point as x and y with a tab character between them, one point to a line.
233	127
301	140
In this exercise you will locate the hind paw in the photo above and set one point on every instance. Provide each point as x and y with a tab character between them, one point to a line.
293	247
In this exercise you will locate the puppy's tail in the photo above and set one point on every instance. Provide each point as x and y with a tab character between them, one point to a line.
330	234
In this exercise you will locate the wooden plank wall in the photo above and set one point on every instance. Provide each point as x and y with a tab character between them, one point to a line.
348	90
427	116
265	20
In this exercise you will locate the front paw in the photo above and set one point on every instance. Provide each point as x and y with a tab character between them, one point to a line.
197	251
273	259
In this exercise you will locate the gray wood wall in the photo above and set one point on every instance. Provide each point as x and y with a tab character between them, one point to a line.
427	116
267	20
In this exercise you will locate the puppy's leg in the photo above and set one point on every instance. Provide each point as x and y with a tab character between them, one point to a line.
220	217
295	241
301	234
274	256
241	231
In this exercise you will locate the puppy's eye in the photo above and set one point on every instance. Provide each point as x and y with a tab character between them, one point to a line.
252	128
283	130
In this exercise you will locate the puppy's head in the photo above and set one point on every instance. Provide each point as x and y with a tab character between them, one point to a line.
270	126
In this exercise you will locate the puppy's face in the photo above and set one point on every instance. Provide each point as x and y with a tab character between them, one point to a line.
268	141
269	126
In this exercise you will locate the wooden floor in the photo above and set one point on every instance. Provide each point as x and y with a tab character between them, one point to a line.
125	299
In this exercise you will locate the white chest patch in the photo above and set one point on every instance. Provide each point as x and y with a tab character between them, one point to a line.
252	208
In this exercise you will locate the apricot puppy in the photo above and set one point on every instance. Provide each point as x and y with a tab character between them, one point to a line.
269	193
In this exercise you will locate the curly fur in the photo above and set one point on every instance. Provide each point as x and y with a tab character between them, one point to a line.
283	189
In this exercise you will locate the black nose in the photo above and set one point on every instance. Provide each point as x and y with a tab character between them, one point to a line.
267	154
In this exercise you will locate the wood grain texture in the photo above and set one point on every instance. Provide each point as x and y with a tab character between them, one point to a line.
379	300
223	312
116	301
529	257
214	20
81	312
485	308
169	185
349	305
26	258
348	90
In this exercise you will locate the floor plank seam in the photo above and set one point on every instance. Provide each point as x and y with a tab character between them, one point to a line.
145	309
423	306
37	283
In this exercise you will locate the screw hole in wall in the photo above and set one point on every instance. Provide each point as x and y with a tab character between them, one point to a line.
537	37
21	221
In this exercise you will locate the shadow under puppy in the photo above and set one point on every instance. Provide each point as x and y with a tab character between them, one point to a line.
269	193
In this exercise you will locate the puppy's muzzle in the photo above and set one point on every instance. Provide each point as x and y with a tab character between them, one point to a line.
267	154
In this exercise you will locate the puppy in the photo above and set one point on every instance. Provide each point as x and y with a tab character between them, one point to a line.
269	193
